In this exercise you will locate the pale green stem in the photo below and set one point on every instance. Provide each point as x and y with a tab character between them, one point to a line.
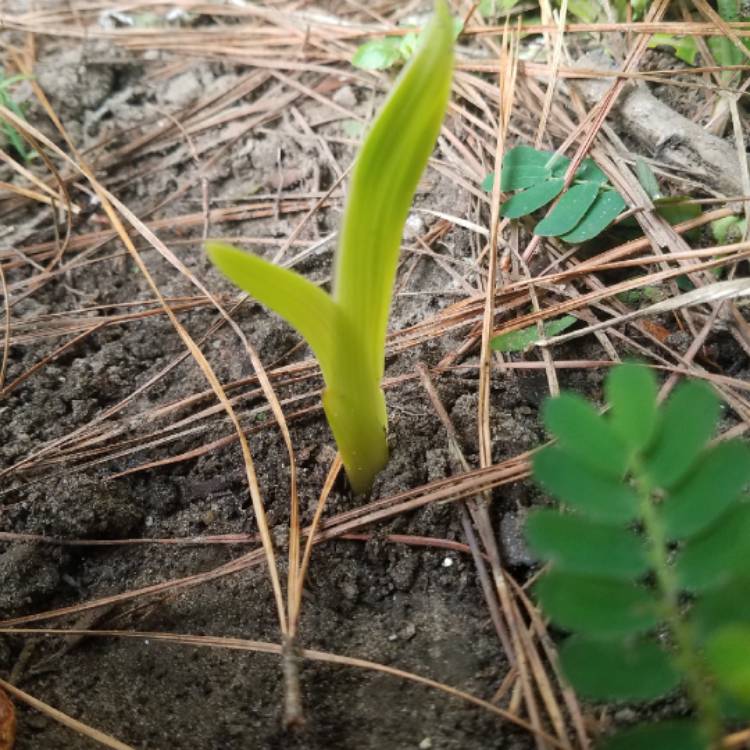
686	657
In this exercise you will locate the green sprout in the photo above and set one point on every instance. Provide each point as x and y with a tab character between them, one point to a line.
649	561
12	136
347	329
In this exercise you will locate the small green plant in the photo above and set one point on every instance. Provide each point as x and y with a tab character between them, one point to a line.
6	99
685	48
722	48
649	558
390	51
347	330
585	210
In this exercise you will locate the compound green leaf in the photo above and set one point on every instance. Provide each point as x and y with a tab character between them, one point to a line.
727	603
605	209
379	54
577	545
719	554
600	498
728	655
668	735
529	200
518	341
707	491
596	606
570	209
585	434
687	423
631	391
613	670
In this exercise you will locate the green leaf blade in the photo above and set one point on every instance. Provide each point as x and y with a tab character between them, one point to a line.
717	555
631	391
570	209
596	496
677	208
534	197
687	423
518	341
612	670
303	305
708	490
583	433
608	205
577	545
383	182
668	735
595	606
727	603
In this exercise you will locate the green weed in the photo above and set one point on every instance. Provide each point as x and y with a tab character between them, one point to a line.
649	555
585	210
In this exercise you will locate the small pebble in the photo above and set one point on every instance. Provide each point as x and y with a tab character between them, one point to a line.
408	631
345	97
448	562
414	226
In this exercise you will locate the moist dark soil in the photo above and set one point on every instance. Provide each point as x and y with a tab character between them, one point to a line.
414	607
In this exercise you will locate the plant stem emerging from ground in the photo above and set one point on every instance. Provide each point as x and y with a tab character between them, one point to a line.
347	330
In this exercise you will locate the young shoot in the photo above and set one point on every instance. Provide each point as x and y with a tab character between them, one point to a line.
347	329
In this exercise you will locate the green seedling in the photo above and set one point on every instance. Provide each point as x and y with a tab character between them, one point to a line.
649	555
585	210
391	51
347	329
